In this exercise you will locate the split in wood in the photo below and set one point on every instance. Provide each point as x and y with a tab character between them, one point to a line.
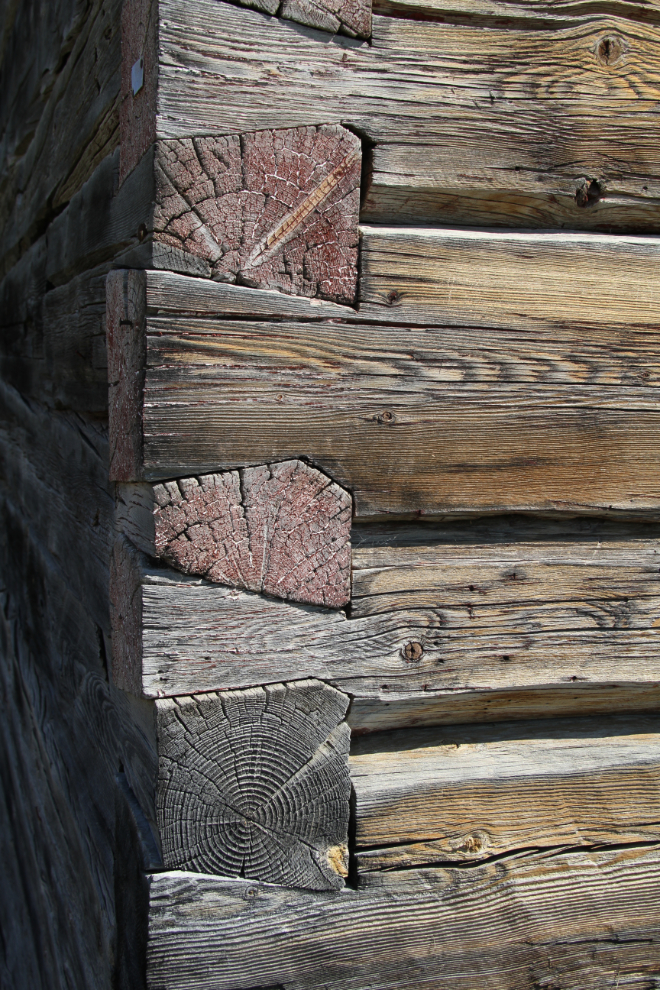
281	529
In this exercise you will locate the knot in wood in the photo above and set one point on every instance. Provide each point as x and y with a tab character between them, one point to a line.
610	49
386	417
588	192
255	783
413	652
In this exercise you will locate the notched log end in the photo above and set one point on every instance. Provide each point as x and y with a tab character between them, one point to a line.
265	794
281	529
274	209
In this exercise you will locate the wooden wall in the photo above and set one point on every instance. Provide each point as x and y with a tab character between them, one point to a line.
330	494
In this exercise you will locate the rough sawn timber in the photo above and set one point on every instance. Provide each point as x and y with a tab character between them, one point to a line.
255	783
471	125
578	920
281	529
465	793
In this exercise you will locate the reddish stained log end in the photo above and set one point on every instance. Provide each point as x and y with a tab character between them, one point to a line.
269	209
281	529
125	315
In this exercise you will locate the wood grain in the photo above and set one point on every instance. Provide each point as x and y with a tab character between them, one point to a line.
501	120
273	209
196	637
255	783
466	793
534	13
414	420
281	529
126	360
579	920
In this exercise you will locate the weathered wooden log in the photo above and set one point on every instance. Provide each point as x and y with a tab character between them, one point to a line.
533	14
281	529
64	123
579	920
255	783
179	635
444	795
141	31
498	126
400	416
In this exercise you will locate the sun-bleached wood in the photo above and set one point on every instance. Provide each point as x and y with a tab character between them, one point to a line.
193	636
539	123
561	416
579	920
282	529
255	783
533	13
465	793
511	280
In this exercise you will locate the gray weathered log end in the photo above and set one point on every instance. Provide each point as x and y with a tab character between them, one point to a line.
125	313
270	209
255	783
281	529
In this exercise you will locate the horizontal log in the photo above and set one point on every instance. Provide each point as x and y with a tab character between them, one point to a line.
511	280
466	793
579	920
495	142
414	419
534	13
177	635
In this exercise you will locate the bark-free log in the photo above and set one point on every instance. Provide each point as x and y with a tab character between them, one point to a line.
575	920
179	635
255	783
282	529
551	127
559	413
458	793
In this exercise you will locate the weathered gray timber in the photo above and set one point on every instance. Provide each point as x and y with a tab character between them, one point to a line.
255	784
72	120
533	14
177	635
530	127
579	920
402	416
466	793
281	529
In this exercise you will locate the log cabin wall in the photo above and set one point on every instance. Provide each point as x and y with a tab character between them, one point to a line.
330	494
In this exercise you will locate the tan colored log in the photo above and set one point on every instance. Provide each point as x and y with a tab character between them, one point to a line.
413	419
529	124
580	920
466	793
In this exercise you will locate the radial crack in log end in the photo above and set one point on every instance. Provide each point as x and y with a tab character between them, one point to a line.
271	209
255	783
281	529
351	16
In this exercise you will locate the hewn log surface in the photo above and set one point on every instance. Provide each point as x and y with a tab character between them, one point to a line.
556	126
282	529
403	416
195	636
465	793
578	920
255	783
